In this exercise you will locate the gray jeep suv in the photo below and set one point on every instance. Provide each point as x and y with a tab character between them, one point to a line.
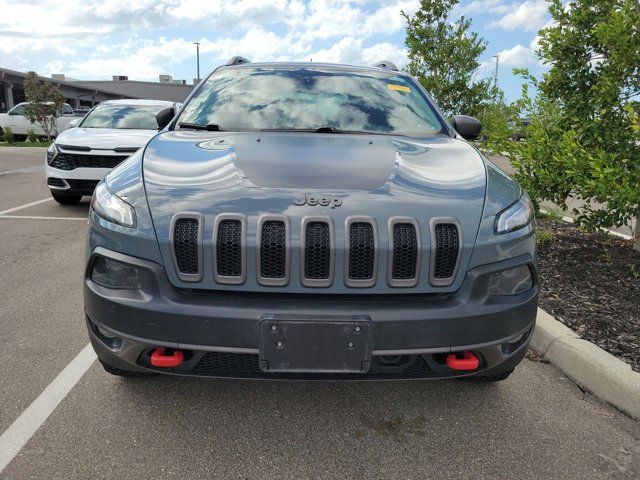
304	220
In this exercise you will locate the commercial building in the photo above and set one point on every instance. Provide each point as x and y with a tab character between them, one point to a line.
86	93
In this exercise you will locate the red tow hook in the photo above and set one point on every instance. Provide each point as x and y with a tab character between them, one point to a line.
468	361
159	359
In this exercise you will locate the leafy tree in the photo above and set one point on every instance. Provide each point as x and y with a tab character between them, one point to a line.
584	137
499	124
45	103
443	56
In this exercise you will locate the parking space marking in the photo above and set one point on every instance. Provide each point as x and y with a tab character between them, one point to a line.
33	169
26	205
27	424
32	217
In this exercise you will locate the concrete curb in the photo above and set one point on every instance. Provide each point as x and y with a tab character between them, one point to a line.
593	369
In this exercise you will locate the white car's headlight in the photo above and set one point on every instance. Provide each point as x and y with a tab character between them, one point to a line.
52	152
516	216
111	207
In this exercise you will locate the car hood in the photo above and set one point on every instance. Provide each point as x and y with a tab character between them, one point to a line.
253	174
105	138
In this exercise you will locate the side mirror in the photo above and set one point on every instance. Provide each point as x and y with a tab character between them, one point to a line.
469	128
164	116
74	123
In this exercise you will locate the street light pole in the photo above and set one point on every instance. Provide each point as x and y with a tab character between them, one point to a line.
495	74
197	44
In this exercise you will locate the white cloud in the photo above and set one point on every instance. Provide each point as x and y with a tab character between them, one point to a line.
518	56
385	51
530	15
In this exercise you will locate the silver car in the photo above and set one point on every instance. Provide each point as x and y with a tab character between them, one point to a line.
306	220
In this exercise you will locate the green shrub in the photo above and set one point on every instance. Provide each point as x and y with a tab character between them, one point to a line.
584	135
8	135
544	236
31	136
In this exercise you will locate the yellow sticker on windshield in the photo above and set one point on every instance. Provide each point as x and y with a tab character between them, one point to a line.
398	88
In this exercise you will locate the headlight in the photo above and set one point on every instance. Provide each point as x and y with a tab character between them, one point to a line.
52	152
111	207
511	281
113	274
516	216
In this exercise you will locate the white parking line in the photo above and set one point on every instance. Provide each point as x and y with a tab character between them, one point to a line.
27	205
27	424
44	218
33	169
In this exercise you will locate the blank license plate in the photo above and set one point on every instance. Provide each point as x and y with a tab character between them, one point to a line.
315	346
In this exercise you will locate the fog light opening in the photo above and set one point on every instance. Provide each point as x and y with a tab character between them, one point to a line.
511	281
112	274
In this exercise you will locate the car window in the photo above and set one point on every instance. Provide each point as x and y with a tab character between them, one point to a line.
139	117
18	110
308	98
67	109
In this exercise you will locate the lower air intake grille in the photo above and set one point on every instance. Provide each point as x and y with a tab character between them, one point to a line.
405	252
228	364
361	251
185	243
447	246
317	255
229	248
273	249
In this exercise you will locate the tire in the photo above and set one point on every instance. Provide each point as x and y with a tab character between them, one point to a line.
66	198
498	377
124	373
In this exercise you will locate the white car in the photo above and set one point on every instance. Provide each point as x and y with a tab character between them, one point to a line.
20	124
106	136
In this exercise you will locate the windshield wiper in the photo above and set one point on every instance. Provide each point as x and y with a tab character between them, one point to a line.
211	127
324	129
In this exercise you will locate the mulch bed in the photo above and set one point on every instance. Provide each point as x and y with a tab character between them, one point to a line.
591	283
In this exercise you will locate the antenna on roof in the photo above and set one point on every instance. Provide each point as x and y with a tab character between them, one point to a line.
386	64
236	61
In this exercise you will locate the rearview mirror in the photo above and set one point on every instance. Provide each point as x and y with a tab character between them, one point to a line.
469	128
75	123
164	116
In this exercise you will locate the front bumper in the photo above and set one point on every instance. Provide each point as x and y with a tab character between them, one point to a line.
220	331
81	181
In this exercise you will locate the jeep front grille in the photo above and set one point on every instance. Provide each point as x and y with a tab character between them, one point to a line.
357	247
273	258
229	251
361	257
187	246
445	256
404	260
317	253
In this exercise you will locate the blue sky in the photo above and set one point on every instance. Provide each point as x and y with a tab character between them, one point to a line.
144	38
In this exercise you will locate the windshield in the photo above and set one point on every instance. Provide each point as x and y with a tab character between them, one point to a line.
138	117
309	98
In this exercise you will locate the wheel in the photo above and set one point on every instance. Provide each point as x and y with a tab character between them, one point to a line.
498	377
124	373
66	198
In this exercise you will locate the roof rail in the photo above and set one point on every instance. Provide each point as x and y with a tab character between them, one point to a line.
386	64
236	61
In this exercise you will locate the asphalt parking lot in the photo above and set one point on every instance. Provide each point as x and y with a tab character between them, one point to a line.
537	424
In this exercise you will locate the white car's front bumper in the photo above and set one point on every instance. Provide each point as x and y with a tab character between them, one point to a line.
78	180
